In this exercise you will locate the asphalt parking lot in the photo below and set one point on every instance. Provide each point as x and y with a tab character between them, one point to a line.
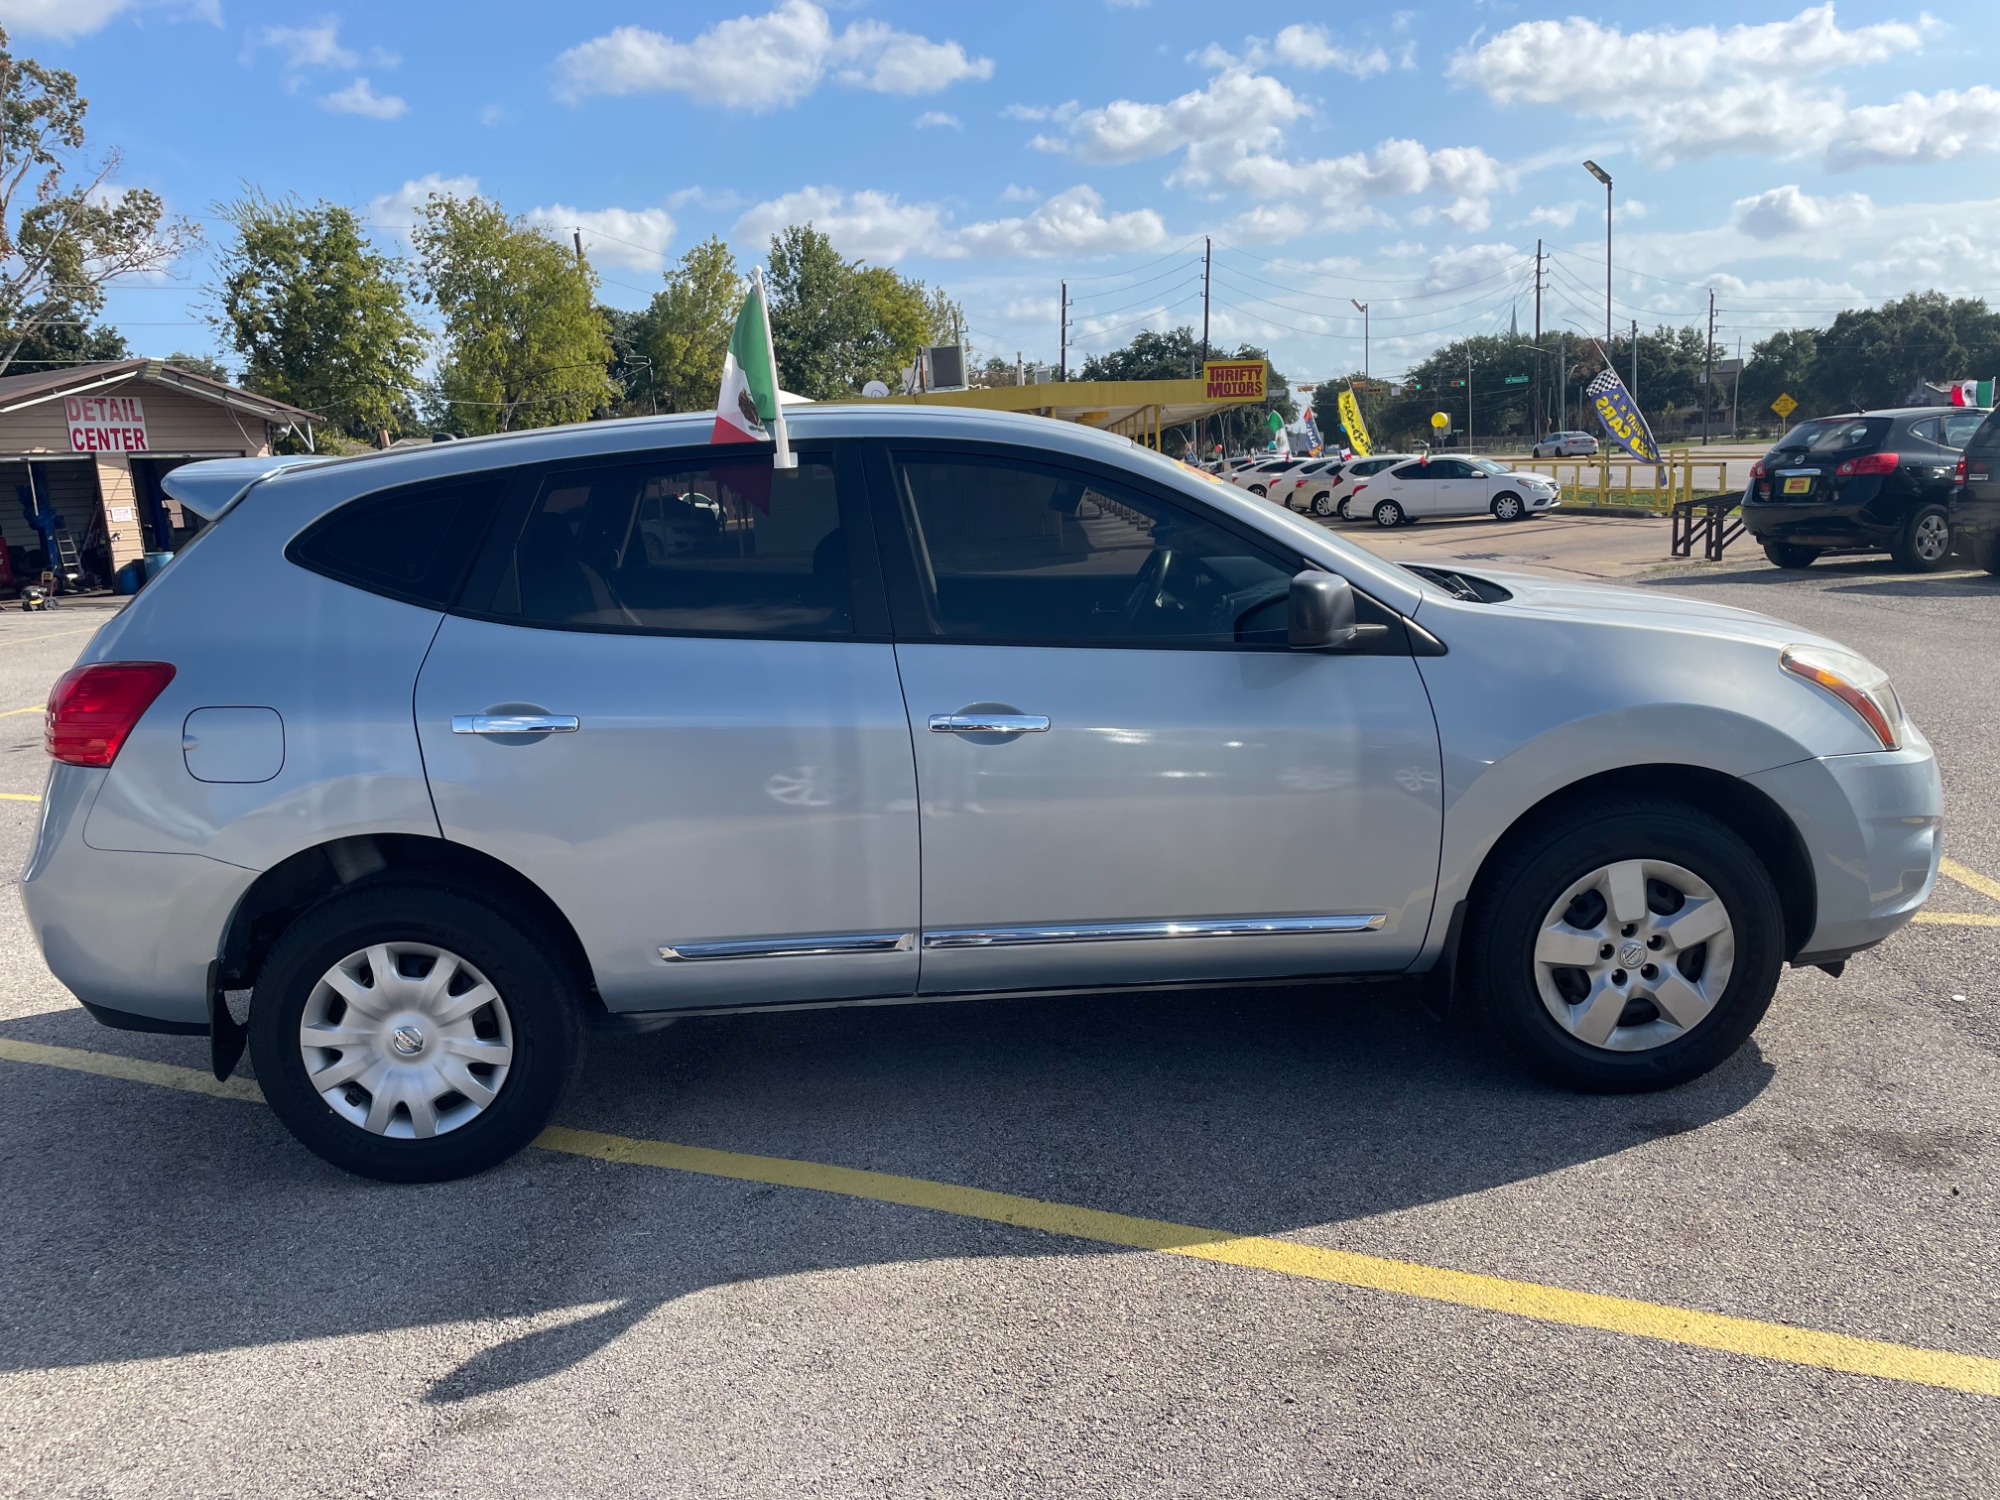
1268	1242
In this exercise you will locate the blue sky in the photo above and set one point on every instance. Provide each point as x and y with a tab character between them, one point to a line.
1795	158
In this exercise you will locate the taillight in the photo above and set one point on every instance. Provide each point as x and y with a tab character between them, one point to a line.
1958	474
1868	463
1357	489
93	709
1758	471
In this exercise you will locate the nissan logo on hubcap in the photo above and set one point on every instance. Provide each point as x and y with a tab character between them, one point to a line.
1631	955
407	1040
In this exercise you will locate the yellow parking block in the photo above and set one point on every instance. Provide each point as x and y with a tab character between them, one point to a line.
1779	1342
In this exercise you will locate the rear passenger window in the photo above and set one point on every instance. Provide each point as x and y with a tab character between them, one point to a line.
1960	427
413	544
694	544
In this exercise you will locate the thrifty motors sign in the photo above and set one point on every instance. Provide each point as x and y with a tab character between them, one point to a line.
105	424
1234	380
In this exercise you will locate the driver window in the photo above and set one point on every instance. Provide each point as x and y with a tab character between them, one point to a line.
1025	553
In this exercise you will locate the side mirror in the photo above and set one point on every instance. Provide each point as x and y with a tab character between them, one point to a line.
1320	612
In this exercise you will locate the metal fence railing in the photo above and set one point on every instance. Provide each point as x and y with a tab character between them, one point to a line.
1627	483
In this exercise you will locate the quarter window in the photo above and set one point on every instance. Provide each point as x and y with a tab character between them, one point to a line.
413	544
692	544
1018	552
1960	426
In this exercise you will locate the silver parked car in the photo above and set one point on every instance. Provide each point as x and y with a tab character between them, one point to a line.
439	753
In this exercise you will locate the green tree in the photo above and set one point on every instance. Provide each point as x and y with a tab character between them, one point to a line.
1778	366
202	364
64	346
837	324
524	344
64	234
319	317
1171	355
685	330
1875	356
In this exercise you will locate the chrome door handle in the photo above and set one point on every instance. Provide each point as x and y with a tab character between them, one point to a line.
989	723
513	724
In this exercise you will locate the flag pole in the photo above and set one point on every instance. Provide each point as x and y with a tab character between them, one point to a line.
782	459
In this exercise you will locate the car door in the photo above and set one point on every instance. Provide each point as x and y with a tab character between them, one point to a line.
1410	485
1456	489
1124	774
668	698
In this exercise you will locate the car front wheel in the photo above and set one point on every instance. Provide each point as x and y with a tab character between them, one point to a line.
411	1033
1924	543
1322	503
1626	944
1508	507
1388	514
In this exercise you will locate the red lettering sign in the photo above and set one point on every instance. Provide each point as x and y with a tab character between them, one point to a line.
106	424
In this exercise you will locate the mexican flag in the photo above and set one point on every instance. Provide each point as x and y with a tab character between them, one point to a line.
747	409
1972	393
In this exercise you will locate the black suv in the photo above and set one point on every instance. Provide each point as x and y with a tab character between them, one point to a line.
1975	503
1878	481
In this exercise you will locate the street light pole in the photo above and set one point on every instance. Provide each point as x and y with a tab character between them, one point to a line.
1362	308
1605	177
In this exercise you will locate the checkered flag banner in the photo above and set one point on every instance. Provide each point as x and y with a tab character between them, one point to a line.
1621	416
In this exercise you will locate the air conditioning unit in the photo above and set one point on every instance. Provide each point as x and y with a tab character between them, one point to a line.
944	367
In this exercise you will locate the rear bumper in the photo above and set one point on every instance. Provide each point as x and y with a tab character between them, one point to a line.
1871	824
1818	525
131	934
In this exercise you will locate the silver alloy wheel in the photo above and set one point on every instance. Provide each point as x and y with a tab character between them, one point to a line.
1388	515
1322	503
1930	539
1634	955
1507	507
406	1040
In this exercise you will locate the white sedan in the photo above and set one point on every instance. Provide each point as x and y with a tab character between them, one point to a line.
1421	488
1566	445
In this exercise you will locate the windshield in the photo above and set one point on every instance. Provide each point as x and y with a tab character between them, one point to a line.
1487	466
1836	434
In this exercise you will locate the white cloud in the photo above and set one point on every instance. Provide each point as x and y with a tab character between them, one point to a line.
1060	113
65	20
879	226
1918	128
1234	108
1699	90
1786	210
493	114
1311	47
360	98
1014	193
301	49
394	213
633	237
763	62
934	119
1557	215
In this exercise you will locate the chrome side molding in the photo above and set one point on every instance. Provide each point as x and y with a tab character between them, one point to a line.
1120	932
793	947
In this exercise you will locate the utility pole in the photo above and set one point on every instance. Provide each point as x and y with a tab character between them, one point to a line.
1536	422
1736	387
1063	336
579	245
1207	261
1708	369
1362	308
1635	362
1562	380
1468	398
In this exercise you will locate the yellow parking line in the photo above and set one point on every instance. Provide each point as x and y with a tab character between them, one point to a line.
1985	885
32	708
56	636
20	796
1956	919
1780	1342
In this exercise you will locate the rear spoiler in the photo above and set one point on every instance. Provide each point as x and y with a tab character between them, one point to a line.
207	487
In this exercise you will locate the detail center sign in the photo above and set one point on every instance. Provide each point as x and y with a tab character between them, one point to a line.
106	424
1233	379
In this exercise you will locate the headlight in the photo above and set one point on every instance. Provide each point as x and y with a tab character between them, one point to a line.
1855	681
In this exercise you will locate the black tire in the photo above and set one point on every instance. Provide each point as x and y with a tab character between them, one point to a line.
1389	515
540	992
1791	554
1923	543
1340	510
1529	875
1322	503
1986	552
1508	506
1257	490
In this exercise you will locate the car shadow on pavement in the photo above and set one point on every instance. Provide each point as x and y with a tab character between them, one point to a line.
1870	575
172	1223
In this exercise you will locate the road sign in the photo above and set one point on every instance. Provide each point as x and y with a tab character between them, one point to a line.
1784	406
1517	380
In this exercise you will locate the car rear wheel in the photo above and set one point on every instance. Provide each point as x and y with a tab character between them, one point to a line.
1257	490
1340	510
1507	506
1388	514
411	1033
1986	552
1322	503
1924	543
1626	944
1791	554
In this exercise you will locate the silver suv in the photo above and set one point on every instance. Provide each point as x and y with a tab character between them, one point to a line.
442	753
